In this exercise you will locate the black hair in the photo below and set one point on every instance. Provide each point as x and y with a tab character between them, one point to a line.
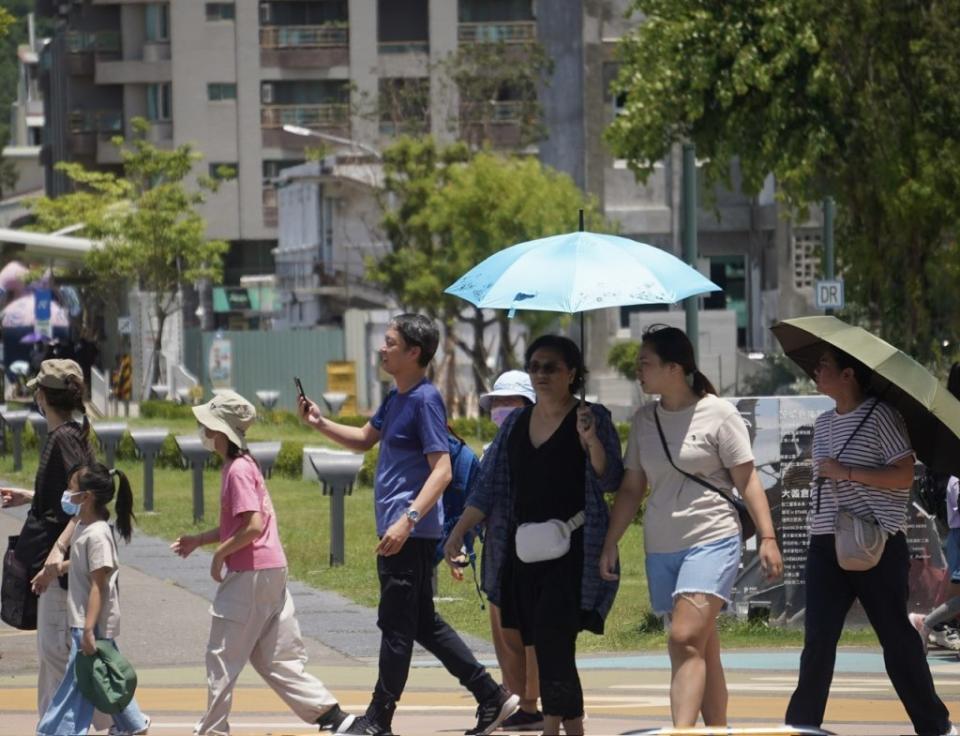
234	451
569	352
418	331
68	400
672	345
860	371
97	479
953	380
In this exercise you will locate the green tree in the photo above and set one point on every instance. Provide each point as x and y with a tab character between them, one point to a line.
445	212
146	221
856	99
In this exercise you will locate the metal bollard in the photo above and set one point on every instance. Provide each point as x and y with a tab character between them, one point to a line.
196	454
16	420
39	424
337	472
148	442
268	399
334	401
109	436
265	453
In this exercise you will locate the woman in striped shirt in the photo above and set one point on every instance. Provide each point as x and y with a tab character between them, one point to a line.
871	478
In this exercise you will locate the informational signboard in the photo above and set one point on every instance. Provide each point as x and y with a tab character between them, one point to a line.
41	311
221	363
781	430
829	295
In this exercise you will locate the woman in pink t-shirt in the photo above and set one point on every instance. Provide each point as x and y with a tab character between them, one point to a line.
253	614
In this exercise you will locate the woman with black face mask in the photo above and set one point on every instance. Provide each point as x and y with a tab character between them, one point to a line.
58	391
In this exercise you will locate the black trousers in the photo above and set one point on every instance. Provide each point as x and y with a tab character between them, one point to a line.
406	614
883	592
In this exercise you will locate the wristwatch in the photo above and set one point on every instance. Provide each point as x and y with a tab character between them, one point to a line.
413	515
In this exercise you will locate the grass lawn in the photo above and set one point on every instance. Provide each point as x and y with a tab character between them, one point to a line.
304	517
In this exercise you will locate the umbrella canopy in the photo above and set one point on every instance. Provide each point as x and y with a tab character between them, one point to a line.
931	413
579	271
22	313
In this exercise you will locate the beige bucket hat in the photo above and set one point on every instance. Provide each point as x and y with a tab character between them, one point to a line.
54	372
227	412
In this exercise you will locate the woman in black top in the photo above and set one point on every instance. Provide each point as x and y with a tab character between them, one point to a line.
551	461
59	393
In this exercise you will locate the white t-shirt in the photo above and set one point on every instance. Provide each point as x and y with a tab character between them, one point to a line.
882	440
705	439
92	547
953	495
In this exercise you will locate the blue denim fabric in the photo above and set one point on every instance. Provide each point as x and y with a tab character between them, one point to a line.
709	568
491	493
70	714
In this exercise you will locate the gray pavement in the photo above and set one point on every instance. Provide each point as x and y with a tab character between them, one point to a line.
327	617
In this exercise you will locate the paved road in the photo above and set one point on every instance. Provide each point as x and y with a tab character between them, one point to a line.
165	624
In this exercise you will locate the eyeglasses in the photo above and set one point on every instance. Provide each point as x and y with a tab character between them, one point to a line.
548	368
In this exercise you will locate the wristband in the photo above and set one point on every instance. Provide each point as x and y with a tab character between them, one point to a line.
763	538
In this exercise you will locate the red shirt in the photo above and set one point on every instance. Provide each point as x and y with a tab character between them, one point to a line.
242	489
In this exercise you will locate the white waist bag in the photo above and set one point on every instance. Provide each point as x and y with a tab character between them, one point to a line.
546	540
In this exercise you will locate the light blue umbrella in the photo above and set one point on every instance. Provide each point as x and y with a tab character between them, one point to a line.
576	272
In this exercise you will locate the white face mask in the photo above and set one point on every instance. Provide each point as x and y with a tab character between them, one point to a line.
207	442
500	413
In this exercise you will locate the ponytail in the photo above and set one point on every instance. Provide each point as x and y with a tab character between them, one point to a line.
701	384
98	480
124	505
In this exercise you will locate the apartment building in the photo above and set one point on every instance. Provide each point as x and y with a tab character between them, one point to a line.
228	76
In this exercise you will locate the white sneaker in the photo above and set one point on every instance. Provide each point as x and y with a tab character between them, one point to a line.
945	638
917	621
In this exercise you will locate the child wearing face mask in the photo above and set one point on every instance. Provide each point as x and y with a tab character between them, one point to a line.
511	391
93	604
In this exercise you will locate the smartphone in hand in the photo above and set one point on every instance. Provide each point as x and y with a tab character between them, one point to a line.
299	386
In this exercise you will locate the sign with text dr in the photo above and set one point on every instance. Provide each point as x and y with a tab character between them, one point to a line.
829	294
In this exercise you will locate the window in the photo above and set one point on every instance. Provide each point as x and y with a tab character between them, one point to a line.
221	11
729	273
273	167
159	107
217	91
806	258
158	21
222	171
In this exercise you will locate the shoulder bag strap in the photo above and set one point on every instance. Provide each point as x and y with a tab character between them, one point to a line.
695	478
844	447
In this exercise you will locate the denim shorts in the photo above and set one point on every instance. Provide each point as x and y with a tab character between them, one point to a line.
710	568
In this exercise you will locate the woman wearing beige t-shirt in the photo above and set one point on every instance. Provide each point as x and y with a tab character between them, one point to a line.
691	533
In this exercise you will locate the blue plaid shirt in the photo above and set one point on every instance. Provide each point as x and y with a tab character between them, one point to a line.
491	493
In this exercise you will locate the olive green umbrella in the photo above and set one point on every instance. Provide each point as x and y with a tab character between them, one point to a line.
931	412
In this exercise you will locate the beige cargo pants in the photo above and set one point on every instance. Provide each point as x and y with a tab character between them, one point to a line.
254	621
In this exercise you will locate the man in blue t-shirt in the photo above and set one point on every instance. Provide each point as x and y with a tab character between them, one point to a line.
412	473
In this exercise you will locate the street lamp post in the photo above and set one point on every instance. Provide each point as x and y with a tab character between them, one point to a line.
309	133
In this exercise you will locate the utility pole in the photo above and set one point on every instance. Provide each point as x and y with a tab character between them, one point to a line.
829	210
689	207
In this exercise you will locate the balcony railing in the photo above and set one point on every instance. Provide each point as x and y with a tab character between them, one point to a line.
306	116
101	42
507	111
412	127
96	121
404	47
508	32
303	37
